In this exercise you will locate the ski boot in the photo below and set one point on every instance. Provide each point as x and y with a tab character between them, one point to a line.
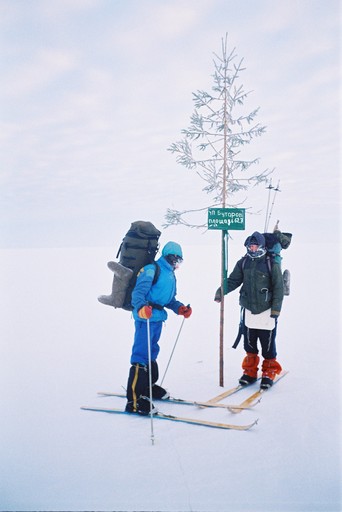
158	393
270	368
142	406
250	369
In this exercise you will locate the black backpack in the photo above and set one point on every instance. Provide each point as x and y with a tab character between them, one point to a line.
138	248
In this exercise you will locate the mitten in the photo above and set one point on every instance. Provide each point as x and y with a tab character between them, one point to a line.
218	295
275	314
185	311
145	312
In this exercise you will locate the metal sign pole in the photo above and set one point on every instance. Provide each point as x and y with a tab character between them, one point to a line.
224	219
224	275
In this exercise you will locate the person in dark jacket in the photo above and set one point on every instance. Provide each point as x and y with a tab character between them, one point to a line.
261	296
149	301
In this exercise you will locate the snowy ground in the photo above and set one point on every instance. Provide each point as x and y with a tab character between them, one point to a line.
60	346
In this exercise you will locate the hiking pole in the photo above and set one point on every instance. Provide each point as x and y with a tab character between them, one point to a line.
168	364
150	376
270	187
277	189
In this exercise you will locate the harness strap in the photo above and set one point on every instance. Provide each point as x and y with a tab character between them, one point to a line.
241	328
156	306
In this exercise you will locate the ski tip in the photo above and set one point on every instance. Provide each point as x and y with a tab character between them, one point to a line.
253	424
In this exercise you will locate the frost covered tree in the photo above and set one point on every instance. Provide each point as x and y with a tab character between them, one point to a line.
212	146
217	133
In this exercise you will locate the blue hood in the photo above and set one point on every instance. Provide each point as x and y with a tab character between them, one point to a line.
257	238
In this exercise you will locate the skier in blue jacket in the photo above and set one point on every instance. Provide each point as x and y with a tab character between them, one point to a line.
149	301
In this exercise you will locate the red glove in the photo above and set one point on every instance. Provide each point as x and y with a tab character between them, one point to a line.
145	312
185	311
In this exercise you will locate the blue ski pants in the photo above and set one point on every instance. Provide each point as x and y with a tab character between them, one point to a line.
140	345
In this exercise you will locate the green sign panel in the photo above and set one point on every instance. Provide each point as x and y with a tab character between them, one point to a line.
226	218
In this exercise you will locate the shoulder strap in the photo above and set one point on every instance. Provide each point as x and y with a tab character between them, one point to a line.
157	272
269	262
155	279
242	328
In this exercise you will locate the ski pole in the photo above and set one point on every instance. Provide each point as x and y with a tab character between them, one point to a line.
150	377
268	205
168	364
277	189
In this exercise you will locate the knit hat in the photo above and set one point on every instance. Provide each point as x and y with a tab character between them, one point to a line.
172	248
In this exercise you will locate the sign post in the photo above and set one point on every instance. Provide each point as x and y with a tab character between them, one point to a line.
225	219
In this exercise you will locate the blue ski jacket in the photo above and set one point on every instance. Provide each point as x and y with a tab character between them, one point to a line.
162	293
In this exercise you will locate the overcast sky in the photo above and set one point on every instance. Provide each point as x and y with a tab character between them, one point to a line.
93	92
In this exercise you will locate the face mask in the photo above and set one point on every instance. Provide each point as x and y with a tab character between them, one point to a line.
260	251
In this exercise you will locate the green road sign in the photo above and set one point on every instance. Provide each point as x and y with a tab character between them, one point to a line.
226	218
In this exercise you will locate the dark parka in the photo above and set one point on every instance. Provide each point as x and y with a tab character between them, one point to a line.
262	287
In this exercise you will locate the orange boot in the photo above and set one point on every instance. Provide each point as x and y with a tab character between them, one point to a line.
250	369
270	368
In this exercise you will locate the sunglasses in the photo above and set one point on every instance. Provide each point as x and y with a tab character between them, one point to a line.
173	259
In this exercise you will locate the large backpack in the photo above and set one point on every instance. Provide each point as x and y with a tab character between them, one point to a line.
275	242
138	248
